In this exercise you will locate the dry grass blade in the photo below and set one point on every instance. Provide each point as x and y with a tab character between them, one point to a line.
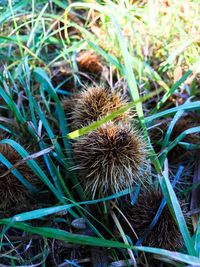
130	252
33	156
14	193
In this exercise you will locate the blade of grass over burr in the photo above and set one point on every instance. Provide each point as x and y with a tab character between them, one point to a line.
111	116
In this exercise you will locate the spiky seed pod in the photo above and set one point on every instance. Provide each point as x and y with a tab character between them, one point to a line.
68	105
94	103
12	191
165	233
89	61
110	159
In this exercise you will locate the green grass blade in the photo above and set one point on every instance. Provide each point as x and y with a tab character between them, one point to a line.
36	214
170	128
44	80
197	238
171	91
174	206
98	242
7	14
186	107
110	58
180	257
11	105
193	130
32	33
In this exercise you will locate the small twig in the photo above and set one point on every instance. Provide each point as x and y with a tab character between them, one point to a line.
192	212
30	157
115	206
11	121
